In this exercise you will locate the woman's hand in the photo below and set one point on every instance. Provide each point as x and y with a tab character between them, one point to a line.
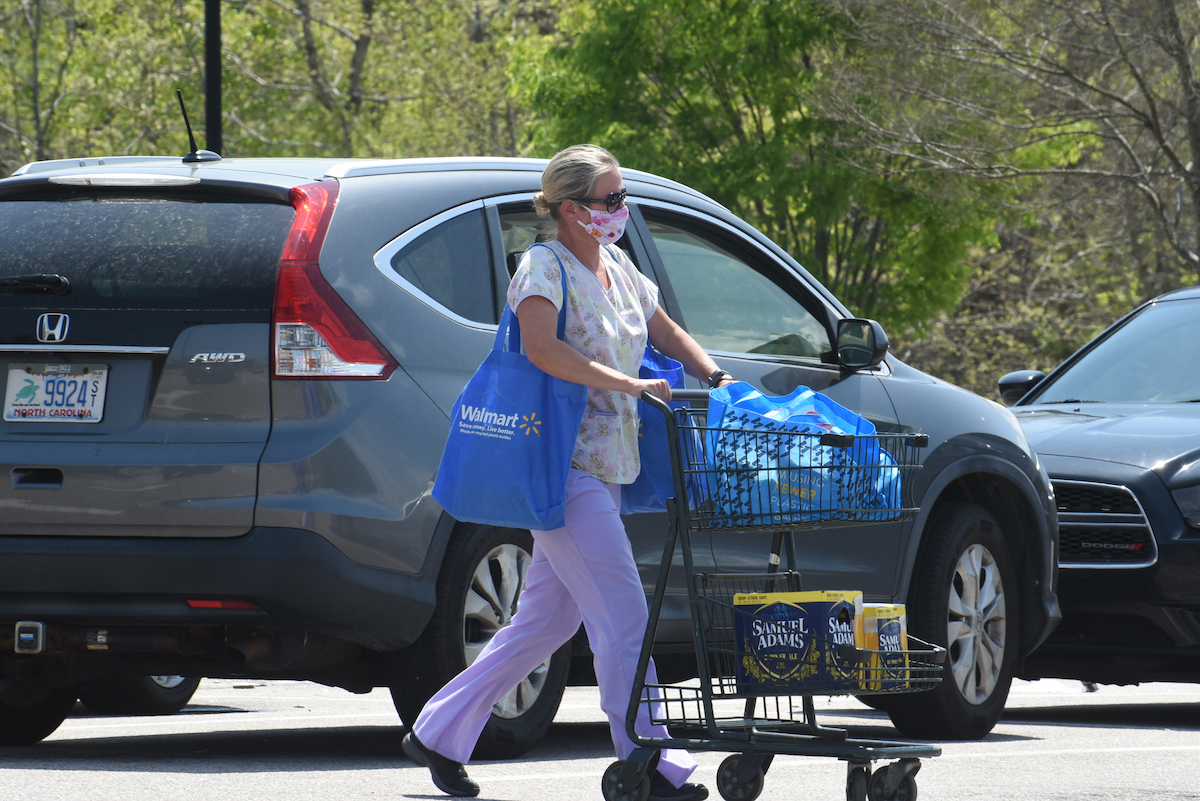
658	387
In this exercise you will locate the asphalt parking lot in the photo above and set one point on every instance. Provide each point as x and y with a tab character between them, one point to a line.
292	740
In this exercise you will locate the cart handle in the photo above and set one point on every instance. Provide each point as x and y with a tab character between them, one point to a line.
676	395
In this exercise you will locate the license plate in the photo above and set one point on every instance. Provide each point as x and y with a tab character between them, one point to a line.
55	393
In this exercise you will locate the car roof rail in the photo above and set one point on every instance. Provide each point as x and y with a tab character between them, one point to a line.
102	161
357	168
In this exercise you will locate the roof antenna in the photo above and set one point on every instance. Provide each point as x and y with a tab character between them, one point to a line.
196	154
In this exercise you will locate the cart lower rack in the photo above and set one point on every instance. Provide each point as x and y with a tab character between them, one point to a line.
763	647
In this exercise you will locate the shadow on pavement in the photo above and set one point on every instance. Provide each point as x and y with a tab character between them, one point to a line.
285	750
875	725
82	711
1157	716
269	750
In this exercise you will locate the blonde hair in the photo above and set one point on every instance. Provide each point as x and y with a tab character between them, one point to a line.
572	173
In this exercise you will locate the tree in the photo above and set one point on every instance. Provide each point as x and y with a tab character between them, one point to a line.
364	78
39	41
719	95
1106	92
1054	277
301	77
1089	109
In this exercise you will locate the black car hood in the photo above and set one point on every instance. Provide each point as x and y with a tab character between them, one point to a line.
1163	437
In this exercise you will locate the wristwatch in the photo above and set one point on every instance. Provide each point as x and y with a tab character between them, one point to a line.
718	377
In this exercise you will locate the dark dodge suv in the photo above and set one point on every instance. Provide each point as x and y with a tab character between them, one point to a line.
226	389
1118	427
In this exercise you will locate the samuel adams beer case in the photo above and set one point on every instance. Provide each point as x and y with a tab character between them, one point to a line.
787	642
886	630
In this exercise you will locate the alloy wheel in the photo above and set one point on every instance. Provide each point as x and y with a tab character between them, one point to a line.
168	682
977	624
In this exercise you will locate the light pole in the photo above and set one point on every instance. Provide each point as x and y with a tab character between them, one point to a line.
212	74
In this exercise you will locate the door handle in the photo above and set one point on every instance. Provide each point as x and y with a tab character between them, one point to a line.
37	478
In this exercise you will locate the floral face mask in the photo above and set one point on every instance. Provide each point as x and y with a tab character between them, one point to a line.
607	227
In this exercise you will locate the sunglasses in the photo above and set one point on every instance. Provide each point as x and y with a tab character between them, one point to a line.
614	201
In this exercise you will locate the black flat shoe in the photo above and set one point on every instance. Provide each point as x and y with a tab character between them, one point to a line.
661	790
449	776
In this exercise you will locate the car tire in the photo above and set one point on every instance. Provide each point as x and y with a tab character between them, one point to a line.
30	713
959	600
455	636
138	695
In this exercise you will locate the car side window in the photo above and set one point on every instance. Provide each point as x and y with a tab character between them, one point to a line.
451	264
521	227
727	302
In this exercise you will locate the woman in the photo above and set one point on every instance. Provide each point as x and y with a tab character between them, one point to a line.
584	571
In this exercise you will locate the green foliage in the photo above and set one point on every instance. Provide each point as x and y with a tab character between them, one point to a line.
1056	276
300	77
720	96
37	53
367	78
1089	108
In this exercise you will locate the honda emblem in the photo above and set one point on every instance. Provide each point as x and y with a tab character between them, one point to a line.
53	327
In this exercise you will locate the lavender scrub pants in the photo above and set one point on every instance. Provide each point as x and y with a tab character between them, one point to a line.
585	572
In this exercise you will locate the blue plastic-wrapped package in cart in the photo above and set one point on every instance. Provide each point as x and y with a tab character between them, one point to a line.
764	474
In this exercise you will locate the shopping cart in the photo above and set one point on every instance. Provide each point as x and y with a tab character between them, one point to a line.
754	708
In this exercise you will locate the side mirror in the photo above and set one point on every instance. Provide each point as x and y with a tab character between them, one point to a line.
1015	386
860	344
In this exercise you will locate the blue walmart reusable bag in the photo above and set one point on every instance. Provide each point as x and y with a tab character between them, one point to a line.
770	467
512	435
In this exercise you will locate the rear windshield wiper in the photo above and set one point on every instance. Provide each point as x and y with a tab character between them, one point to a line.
1072	400
46	282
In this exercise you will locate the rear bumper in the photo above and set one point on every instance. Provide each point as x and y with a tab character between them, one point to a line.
296	578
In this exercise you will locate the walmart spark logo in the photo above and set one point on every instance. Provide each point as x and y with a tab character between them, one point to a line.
531	424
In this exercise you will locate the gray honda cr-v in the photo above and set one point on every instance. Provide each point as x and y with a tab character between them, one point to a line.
227	386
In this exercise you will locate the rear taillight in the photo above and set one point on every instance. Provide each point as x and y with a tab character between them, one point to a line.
210	603
316	334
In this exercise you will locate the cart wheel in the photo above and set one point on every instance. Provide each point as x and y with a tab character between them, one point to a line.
856	784
907	791
609	785
731	789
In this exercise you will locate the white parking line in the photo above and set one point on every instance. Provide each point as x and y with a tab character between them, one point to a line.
1066	752
126	723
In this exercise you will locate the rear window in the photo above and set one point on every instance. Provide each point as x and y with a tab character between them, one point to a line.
123	252
452	265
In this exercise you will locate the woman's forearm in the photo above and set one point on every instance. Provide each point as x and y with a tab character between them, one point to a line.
562	361
539	324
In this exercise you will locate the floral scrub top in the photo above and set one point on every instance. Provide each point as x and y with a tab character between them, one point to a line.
606	326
